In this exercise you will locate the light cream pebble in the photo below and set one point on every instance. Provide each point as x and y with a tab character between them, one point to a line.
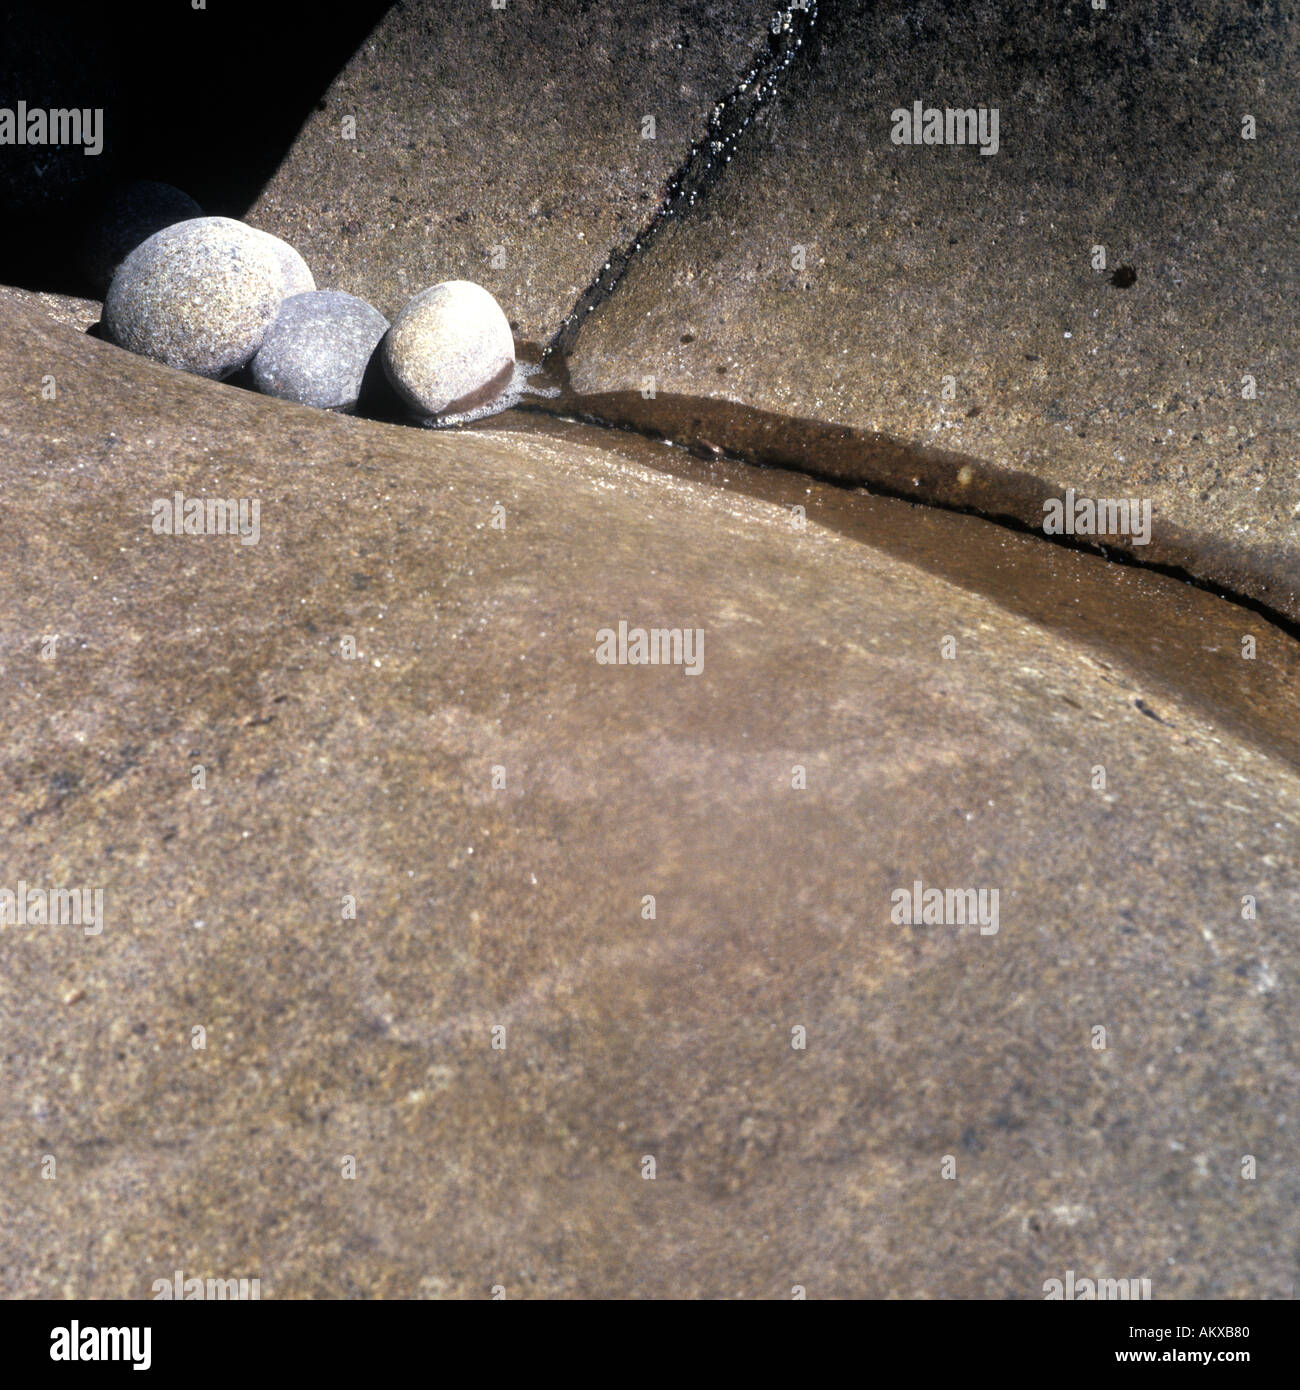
450	349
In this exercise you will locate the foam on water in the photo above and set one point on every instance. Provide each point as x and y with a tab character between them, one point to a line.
519	388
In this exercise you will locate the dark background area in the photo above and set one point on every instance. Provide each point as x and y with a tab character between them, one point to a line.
208	100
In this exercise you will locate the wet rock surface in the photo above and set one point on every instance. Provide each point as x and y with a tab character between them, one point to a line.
938	322
522	904
509	147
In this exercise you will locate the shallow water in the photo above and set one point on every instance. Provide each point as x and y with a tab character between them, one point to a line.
1183	641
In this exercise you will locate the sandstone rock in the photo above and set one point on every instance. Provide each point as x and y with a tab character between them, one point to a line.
76	313
937	322
499	805
513	147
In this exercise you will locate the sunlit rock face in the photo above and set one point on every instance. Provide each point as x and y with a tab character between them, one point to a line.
1105	304
514	147
534	858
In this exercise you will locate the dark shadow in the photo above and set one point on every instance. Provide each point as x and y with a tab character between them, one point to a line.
209	100
378	400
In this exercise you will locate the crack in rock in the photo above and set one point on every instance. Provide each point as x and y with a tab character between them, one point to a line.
704	164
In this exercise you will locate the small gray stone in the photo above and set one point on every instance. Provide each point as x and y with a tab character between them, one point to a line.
132	213
317	350
198	295
450	349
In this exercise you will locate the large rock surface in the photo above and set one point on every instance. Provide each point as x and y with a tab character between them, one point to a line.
79	314
1119	128
522	907
504	146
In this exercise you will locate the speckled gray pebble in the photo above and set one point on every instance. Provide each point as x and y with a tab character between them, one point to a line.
317	350
199	295
130	214
449	349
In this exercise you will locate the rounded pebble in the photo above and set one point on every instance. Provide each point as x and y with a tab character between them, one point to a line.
298	278
450	349
317	350
198	296
130	214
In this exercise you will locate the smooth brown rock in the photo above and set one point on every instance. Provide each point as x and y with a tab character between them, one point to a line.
522	907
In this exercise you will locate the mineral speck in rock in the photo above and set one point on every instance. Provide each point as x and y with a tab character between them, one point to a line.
450	350
317	350
130	214
198	296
